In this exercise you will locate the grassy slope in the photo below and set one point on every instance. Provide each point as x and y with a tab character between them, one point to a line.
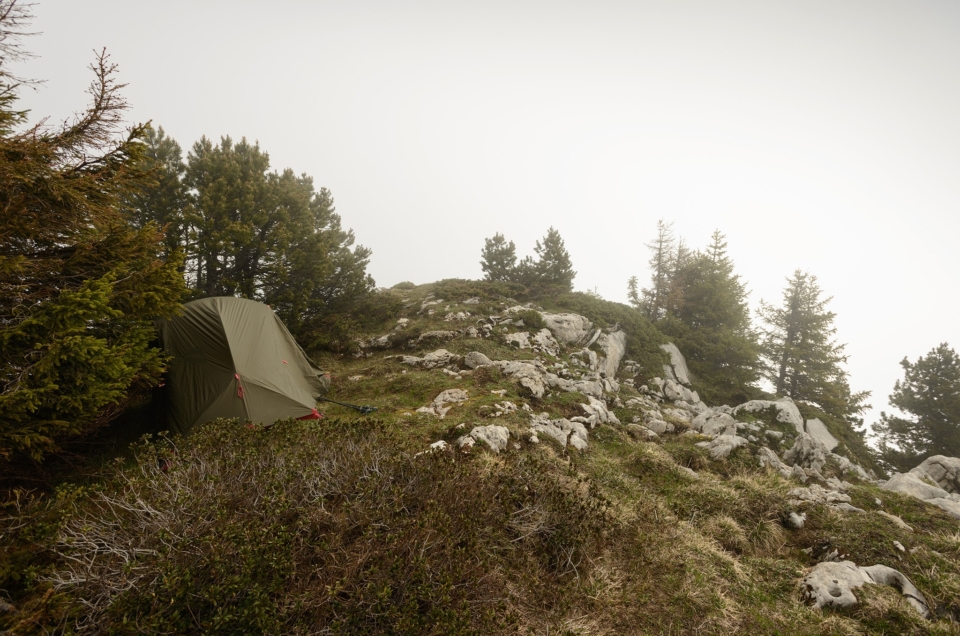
618	539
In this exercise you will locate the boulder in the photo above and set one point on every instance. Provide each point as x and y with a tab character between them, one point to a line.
721	446
587	387
831	584
496	437
432	360
815	494
562	430
659	426
714	423
614	346
641	432
544	341
521	340
475	359
943	471
444	402
787	411
806	452
678	366
818	431
769	459
911	484
529	375
597	413
568	329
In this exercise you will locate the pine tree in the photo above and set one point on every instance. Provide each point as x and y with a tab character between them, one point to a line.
553	266
662	262
928	396
803	360
709	320
79	287
633	292
164	199
498	260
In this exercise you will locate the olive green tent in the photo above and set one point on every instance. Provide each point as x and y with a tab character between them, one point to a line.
233	357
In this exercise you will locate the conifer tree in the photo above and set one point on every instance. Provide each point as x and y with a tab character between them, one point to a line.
662	262
803	360
709	320
164	199
553	267
928	397
498	260
79	287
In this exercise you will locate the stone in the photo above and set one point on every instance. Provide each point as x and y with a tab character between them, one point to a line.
659	426
911	484
597	412
520	340
900	523
678	365
466	442
818	430
807	453
721	446
544	341
475	359
642	432
689	472
795	520
568	329
845	507
496	437
614	346
816	494
444	402
883	575
941	470
787	411
436	335
529	376
672	391
432	360
770	459
830	584
562	430
714	423
587	387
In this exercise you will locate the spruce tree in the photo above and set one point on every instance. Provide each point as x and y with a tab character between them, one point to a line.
803	359
553	267
928	397
662	262
79	286
498	260
709	320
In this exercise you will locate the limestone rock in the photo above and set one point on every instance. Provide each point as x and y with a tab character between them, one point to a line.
678	365
818	431
436	335
911	484
568	329
830	584
520	340
587	387
787	411
815	494
883	575
642	432
529	375
444	402
769	458
807	453
895	519
562	430
659	426
496	437
614	346
942	470
721	446
597	413
475	359
714	423
432	360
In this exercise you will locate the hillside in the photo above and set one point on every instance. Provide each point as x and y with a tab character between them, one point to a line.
540	467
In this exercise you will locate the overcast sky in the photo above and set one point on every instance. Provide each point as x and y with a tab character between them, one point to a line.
817	135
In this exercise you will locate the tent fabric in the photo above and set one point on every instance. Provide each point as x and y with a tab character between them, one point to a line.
233	357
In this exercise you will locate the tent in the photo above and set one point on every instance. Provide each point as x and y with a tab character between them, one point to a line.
233	357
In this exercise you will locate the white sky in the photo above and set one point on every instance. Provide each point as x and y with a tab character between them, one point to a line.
816	135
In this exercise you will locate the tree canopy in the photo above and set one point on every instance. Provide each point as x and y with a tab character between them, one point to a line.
928	399
550	271
79	285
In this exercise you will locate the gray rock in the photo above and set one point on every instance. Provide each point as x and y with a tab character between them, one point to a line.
597	413
818	431
911	484
795	520
831	584
883	575
614	346
529	375
659	426
521	340
562	430
941	470
721	446
815	494
770	459
845	507
475	359
641	432
806	452
900	523
444	402
587	387
496	437
714	423
432	360
568	329
678	366
787	411
544	341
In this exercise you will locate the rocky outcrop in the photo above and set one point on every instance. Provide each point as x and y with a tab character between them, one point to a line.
818	431
495	437
432	360
807	453
831	584
614	346
562	430
677	369
787	411
941	470
913	485
444	402
714	423
568	329
721	446
596	413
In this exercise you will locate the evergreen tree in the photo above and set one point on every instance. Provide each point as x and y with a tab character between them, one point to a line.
553	267
164	199
633	292
498	260
662	262
79	287
802	357
928	396
709	321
